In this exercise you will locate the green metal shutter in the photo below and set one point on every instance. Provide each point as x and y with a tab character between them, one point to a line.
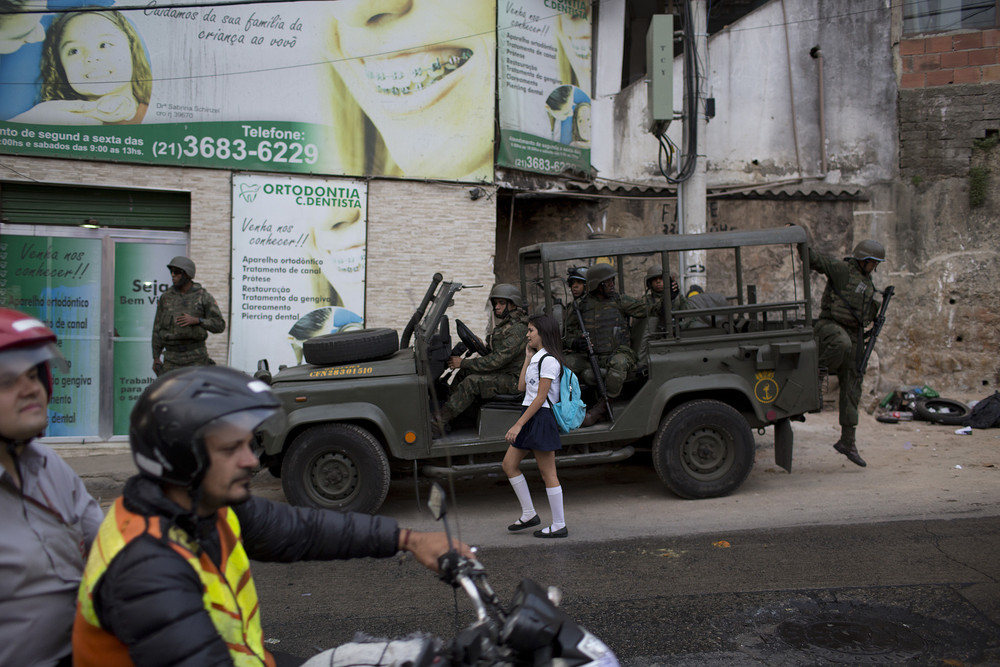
37	204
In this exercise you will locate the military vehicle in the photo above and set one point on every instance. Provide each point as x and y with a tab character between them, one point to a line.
362	406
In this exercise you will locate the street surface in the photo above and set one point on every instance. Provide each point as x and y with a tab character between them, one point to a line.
896	563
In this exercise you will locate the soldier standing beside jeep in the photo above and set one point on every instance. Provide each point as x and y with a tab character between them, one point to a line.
847	307
185	314
605	315
498	371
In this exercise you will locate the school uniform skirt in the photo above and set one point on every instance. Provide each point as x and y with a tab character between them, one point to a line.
541	433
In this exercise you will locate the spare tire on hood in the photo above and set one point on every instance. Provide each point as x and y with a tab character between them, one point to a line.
347	347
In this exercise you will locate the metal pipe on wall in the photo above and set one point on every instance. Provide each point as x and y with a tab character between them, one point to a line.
816	53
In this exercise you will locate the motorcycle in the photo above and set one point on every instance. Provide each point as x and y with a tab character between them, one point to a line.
533	631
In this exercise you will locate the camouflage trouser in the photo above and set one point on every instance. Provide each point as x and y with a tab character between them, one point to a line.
469	386
616	365
837	351
191	355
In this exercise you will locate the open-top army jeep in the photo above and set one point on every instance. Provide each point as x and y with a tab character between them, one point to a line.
705	378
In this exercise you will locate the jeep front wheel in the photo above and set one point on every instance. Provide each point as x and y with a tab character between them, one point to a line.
703	449
336	466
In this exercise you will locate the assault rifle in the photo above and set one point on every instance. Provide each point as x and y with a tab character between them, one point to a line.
872	336
602	390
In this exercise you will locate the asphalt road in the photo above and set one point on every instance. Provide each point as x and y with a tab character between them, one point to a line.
913	592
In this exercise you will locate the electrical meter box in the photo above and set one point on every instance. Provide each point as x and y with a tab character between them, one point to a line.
660	71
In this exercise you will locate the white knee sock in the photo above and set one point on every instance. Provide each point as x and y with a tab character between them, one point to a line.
556	505
520	485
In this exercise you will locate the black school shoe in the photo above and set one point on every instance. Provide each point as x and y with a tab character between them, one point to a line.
521	525
562	532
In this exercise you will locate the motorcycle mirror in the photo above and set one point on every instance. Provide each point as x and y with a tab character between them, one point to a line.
436	502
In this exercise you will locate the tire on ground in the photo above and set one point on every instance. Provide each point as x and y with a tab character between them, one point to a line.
703	449
350	346
942	411
336	466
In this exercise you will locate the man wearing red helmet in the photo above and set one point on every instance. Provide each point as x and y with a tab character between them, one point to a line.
47	519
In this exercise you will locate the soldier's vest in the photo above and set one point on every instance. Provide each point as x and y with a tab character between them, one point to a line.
606	325
858	291
176	303
513	327
230	596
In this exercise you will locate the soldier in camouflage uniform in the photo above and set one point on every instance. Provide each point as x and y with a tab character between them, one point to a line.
185	314
847	307
498	371
654	304
577	281
605	314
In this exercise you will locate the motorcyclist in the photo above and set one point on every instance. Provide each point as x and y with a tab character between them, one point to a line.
47	519
170	583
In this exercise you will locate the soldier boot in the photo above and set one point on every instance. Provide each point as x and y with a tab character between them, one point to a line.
848	446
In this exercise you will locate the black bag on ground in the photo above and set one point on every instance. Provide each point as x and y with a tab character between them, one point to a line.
985	413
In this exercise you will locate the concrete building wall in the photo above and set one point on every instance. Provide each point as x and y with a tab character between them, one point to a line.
752	138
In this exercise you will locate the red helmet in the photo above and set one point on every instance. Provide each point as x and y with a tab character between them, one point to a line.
26	342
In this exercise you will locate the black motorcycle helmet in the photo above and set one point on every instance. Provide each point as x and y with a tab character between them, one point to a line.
169	421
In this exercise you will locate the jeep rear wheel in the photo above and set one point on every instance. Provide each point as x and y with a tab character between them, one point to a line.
703	449
336	466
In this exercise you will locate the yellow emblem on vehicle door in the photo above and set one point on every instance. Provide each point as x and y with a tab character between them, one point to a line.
766	389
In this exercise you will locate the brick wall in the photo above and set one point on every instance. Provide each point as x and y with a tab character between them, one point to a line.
940	60
416	229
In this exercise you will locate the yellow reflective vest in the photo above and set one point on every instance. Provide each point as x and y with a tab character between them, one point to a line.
229	593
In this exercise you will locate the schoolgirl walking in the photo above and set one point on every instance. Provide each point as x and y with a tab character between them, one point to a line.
536	430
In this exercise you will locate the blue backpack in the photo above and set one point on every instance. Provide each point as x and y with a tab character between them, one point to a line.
570	410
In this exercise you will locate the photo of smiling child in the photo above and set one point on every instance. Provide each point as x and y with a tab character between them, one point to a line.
94	71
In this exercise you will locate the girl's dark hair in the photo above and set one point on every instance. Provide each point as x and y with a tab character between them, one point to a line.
548	330
55	85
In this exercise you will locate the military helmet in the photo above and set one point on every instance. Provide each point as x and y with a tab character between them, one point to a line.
869	249
169	422
507	291
655	271
184	264
576	273
597	274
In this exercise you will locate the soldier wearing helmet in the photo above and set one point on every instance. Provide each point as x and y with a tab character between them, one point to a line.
654	303
606	316
171	582
185	314
47	518
848	306
497	372
577	281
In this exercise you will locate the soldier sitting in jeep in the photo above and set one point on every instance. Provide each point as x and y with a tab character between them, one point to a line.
496	372
605	315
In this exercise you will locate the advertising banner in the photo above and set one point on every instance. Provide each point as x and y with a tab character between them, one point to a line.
340	88
298	264
141	276
545	75
57	280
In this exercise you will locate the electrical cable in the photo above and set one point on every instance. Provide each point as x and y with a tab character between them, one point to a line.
692	79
